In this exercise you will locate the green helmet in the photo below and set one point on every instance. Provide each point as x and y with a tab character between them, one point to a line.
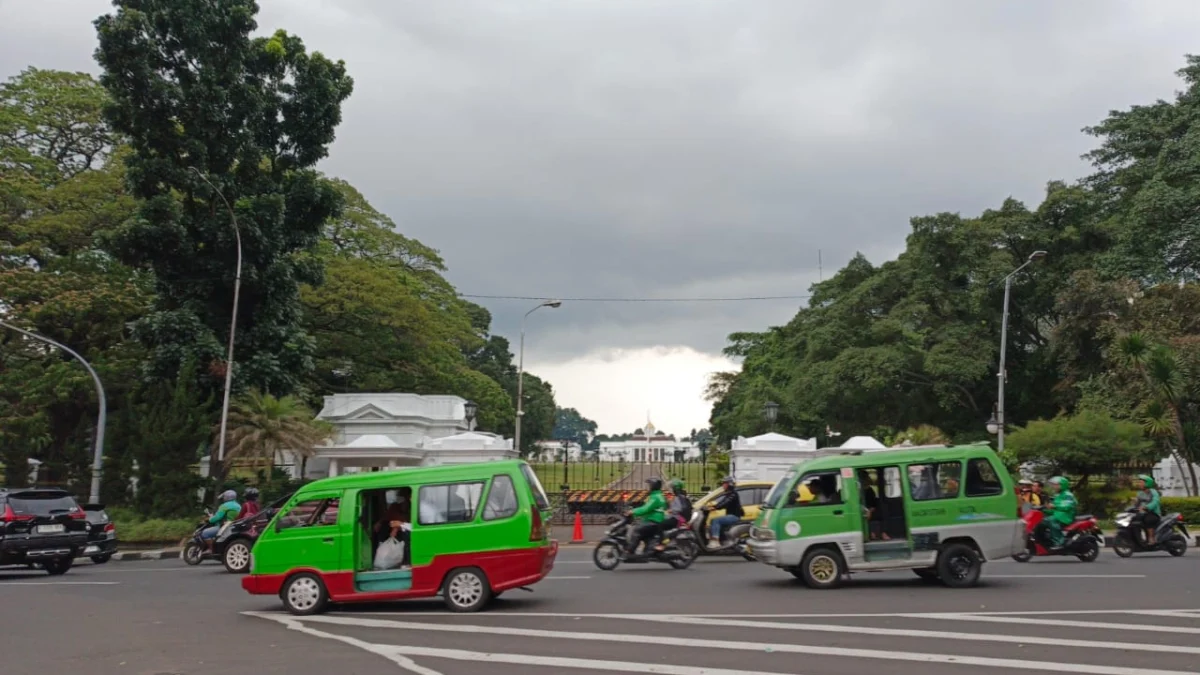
1061	482
1148	480
676	485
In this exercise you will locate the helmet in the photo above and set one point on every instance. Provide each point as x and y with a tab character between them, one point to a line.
251	493
677	485
228	496
654	483
1061	482
728	480
1149	481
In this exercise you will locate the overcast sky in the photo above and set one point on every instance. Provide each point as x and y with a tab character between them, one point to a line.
688	148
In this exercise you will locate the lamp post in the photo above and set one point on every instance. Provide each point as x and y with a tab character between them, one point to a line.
771	412
553	304
1001	375
566	485
993	424
470	408
98	451
703	442
237	289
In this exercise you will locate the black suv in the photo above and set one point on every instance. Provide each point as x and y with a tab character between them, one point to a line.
41	526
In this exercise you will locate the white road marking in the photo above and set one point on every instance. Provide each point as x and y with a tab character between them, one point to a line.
402	661
868	615
936	634
1068	624
664	641
16	582
140	570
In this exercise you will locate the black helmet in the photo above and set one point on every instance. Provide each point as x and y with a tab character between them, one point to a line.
654	483
252	493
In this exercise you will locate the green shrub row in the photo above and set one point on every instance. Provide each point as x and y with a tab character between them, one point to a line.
154	531
1188	507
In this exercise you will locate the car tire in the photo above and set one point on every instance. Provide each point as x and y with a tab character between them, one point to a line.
57	566
822	569
466	590
237	556
102	558
304	594
959	566
1123	546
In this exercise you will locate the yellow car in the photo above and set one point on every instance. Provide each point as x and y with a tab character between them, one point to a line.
750	492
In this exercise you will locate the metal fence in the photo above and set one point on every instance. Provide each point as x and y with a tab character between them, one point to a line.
600	491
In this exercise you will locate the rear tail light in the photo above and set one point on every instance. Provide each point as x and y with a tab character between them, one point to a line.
536	532
78	514
11	517
110	528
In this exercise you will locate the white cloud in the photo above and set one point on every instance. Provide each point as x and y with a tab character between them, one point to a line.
617	387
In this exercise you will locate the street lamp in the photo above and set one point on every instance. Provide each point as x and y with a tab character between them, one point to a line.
771	412
566	485
98	452
237	289
470	408
553	304
1001	376
993	425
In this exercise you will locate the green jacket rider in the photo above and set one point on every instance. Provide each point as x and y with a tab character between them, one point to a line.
654	509
1061	511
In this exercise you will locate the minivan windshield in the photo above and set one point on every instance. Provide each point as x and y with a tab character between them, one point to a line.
775	496
539	495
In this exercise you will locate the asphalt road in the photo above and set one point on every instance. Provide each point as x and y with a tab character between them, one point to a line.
1112	617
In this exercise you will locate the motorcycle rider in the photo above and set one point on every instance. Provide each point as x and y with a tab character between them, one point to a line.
1149	506
679	512
1061	511
227	512
651	514
250	507
732	504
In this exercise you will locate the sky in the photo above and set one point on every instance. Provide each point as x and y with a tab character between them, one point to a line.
675	149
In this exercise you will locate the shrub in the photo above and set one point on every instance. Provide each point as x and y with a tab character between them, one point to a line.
1188	507
155	530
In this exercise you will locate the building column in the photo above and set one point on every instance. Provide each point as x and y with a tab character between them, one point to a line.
333	468
391	465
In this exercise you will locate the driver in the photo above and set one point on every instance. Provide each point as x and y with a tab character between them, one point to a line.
732	504
1061	511
651	514
1149	506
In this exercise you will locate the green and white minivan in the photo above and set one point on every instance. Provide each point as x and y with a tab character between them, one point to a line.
466	531
939	511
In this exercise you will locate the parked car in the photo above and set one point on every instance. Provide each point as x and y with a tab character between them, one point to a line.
234	544
102	537
42	527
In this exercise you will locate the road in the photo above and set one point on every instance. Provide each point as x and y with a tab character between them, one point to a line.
1112	617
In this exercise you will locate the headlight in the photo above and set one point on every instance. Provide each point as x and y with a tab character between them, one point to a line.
762	534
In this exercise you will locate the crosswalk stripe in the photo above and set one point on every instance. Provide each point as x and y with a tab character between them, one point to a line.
934	634
664	641
1066	623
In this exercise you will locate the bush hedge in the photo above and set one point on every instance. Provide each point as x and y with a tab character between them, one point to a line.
1188	507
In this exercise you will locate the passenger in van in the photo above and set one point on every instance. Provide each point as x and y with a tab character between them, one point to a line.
871	510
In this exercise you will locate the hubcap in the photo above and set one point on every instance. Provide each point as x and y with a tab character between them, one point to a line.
238	556
960	566
465	590
303	594
823	569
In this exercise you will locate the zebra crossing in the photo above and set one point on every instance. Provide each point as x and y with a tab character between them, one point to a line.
1091	642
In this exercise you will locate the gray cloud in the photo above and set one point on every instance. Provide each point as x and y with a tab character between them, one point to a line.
660	149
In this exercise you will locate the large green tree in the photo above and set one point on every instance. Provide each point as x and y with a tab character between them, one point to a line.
215	117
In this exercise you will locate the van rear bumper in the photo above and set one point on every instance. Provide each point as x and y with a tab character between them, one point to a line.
263	584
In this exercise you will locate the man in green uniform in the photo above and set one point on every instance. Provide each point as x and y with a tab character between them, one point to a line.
652	513
1061	511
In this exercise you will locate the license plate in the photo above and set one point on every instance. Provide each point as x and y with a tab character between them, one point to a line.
91	549
50	529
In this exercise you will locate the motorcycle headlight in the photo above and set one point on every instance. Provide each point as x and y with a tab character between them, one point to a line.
1123	520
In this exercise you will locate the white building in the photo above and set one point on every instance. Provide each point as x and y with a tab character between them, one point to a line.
649	445
767	457
552	451
387	431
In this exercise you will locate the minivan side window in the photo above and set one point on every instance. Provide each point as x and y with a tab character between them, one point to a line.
502	499
449	503
934	481
826	489
302	514
982	480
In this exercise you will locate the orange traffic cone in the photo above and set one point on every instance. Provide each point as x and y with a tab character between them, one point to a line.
577	535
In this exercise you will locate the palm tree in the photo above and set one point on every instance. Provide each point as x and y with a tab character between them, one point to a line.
1167	414
924	434
261	426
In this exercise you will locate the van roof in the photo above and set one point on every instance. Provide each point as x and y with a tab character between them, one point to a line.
836	458
436	474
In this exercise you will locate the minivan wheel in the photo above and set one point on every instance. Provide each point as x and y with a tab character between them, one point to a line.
304	594
822	569
57	566
959	566
237	556
466	590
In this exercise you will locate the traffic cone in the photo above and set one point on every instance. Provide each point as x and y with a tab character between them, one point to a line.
577	535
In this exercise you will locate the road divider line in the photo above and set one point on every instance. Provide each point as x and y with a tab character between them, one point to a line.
889	615
934	634
1067	623
58	583
553	578
732	645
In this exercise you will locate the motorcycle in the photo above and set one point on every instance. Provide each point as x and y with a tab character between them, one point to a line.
680	550
1082	538
197	549
1170	535
734	541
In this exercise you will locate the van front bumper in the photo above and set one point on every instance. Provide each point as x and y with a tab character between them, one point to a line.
765	551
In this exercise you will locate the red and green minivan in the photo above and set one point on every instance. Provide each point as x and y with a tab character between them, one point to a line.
467	531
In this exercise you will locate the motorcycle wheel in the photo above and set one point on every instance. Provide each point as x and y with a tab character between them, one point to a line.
688	552
1023	556
1176	546
1123	546
192	554
607	556
1090	551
